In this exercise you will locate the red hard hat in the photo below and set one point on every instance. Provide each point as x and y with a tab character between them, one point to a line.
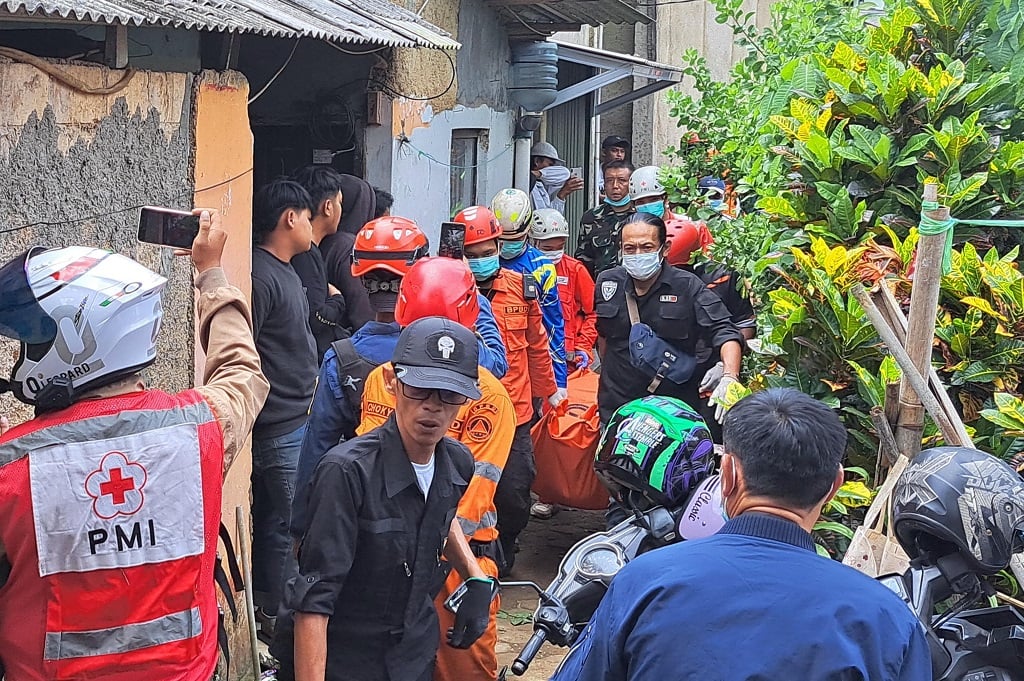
438	287
481	225
686	236
389	243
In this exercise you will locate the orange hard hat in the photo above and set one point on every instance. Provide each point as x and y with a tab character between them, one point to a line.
391	244
438	287
686	236
481	225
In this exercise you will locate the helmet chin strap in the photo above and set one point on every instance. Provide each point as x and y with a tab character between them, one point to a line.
5	386
56	395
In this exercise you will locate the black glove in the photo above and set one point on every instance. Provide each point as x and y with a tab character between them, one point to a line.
474	613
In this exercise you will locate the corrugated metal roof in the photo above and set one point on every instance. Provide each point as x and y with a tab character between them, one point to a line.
366	21
592	12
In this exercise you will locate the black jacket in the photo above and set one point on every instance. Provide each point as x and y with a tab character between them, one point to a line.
370	556
678	307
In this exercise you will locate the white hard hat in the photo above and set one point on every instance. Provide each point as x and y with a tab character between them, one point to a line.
548	223
546	150
644	182
85	317
513	210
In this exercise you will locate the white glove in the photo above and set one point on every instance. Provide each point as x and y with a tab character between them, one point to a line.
558	397
711	379
718	396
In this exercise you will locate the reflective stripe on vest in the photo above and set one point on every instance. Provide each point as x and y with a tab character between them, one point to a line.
68	645
487	521
487	471
101	426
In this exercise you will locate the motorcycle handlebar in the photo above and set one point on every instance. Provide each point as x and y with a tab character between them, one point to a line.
530	650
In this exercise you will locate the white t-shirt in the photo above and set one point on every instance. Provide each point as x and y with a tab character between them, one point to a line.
424	475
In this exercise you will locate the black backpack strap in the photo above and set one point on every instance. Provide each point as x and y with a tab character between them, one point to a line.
222	642
352	372
221	577
236	573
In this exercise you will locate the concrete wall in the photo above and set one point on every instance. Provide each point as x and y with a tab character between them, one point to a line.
681	27
416	169
410	152
223	157
85	163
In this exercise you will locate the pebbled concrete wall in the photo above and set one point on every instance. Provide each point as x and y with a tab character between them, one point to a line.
75	167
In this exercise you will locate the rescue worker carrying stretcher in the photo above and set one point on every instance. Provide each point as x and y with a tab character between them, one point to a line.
438	287
513	211
385	250
110	498
530	375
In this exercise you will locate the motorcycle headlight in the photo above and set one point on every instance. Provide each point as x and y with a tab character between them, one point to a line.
601	561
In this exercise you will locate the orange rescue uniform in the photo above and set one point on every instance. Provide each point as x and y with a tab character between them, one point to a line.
486	427
530	372
576	291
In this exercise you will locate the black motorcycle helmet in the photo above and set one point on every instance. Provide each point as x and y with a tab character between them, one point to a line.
964	498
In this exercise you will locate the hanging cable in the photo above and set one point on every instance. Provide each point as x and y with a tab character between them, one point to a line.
395	93
87	218
339	48
279	72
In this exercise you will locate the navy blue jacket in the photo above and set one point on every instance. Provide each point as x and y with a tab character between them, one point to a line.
752	602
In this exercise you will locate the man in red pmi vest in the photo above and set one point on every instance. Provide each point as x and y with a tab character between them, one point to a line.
110	498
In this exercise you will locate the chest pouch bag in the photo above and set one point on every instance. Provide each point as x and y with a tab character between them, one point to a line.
652	355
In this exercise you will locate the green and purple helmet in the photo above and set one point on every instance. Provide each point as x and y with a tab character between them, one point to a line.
654	451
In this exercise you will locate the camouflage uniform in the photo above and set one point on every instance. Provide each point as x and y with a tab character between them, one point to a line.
600	238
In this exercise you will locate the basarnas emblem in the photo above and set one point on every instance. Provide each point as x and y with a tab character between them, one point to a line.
352	382
446	345
608	289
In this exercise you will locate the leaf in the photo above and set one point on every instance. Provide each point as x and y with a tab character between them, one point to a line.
983	305
834	527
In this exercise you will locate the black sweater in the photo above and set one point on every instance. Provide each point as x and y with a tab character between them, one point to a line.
280	320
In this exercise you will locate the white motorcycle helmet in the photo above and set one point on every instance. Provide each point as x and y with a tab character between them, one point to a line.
548	223
513	210
704	514
644	182
85	317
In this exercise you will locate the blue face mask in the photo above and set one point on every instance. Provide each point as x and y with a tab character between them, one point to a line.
617	204
657	208
510	250
484	268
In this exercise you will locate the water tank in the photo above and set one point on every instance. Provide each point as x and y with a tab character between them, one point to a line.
534	81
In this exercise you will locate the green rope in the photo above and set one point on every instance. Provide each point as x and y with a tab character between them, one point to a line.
931	227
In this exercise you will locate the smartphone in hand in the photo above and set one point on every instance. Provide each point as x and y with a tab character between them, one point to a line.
453	240
168	227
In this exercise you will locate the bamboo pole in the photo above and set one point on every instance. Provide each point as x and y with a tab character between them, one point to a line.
887	303
910	373
244	538
924	301
887	441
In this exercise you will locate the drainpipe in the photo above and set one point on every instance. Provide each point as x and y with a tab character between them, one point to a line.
521	172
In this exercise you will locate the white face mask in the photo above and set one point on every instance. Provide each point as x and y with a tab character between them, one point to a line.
642	266
554	177
554	257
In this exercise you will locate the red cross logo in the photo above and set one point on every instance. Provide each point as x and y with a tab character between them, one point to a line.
116	486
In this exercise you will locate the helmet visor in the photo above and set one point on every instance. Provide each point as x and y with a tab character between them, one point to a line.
21	316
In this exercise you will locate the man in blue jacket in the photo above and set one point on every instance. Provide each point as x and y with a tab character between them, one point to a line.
755	600
512	209
380	260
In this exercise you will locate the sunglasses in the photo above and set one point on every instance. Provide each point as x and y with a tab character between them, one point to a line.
422	394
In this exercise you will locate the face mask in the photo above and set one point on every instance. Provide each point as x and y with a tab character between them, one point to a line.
554	257
554	177
642	266
484	268
657	209
509	250
617	204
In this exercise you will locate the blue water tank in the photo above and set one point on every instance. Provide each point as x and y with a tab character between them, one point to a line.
534	79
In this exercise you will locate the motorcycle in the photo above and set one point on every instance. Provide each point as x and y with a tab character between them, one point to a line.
967	643
584	576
